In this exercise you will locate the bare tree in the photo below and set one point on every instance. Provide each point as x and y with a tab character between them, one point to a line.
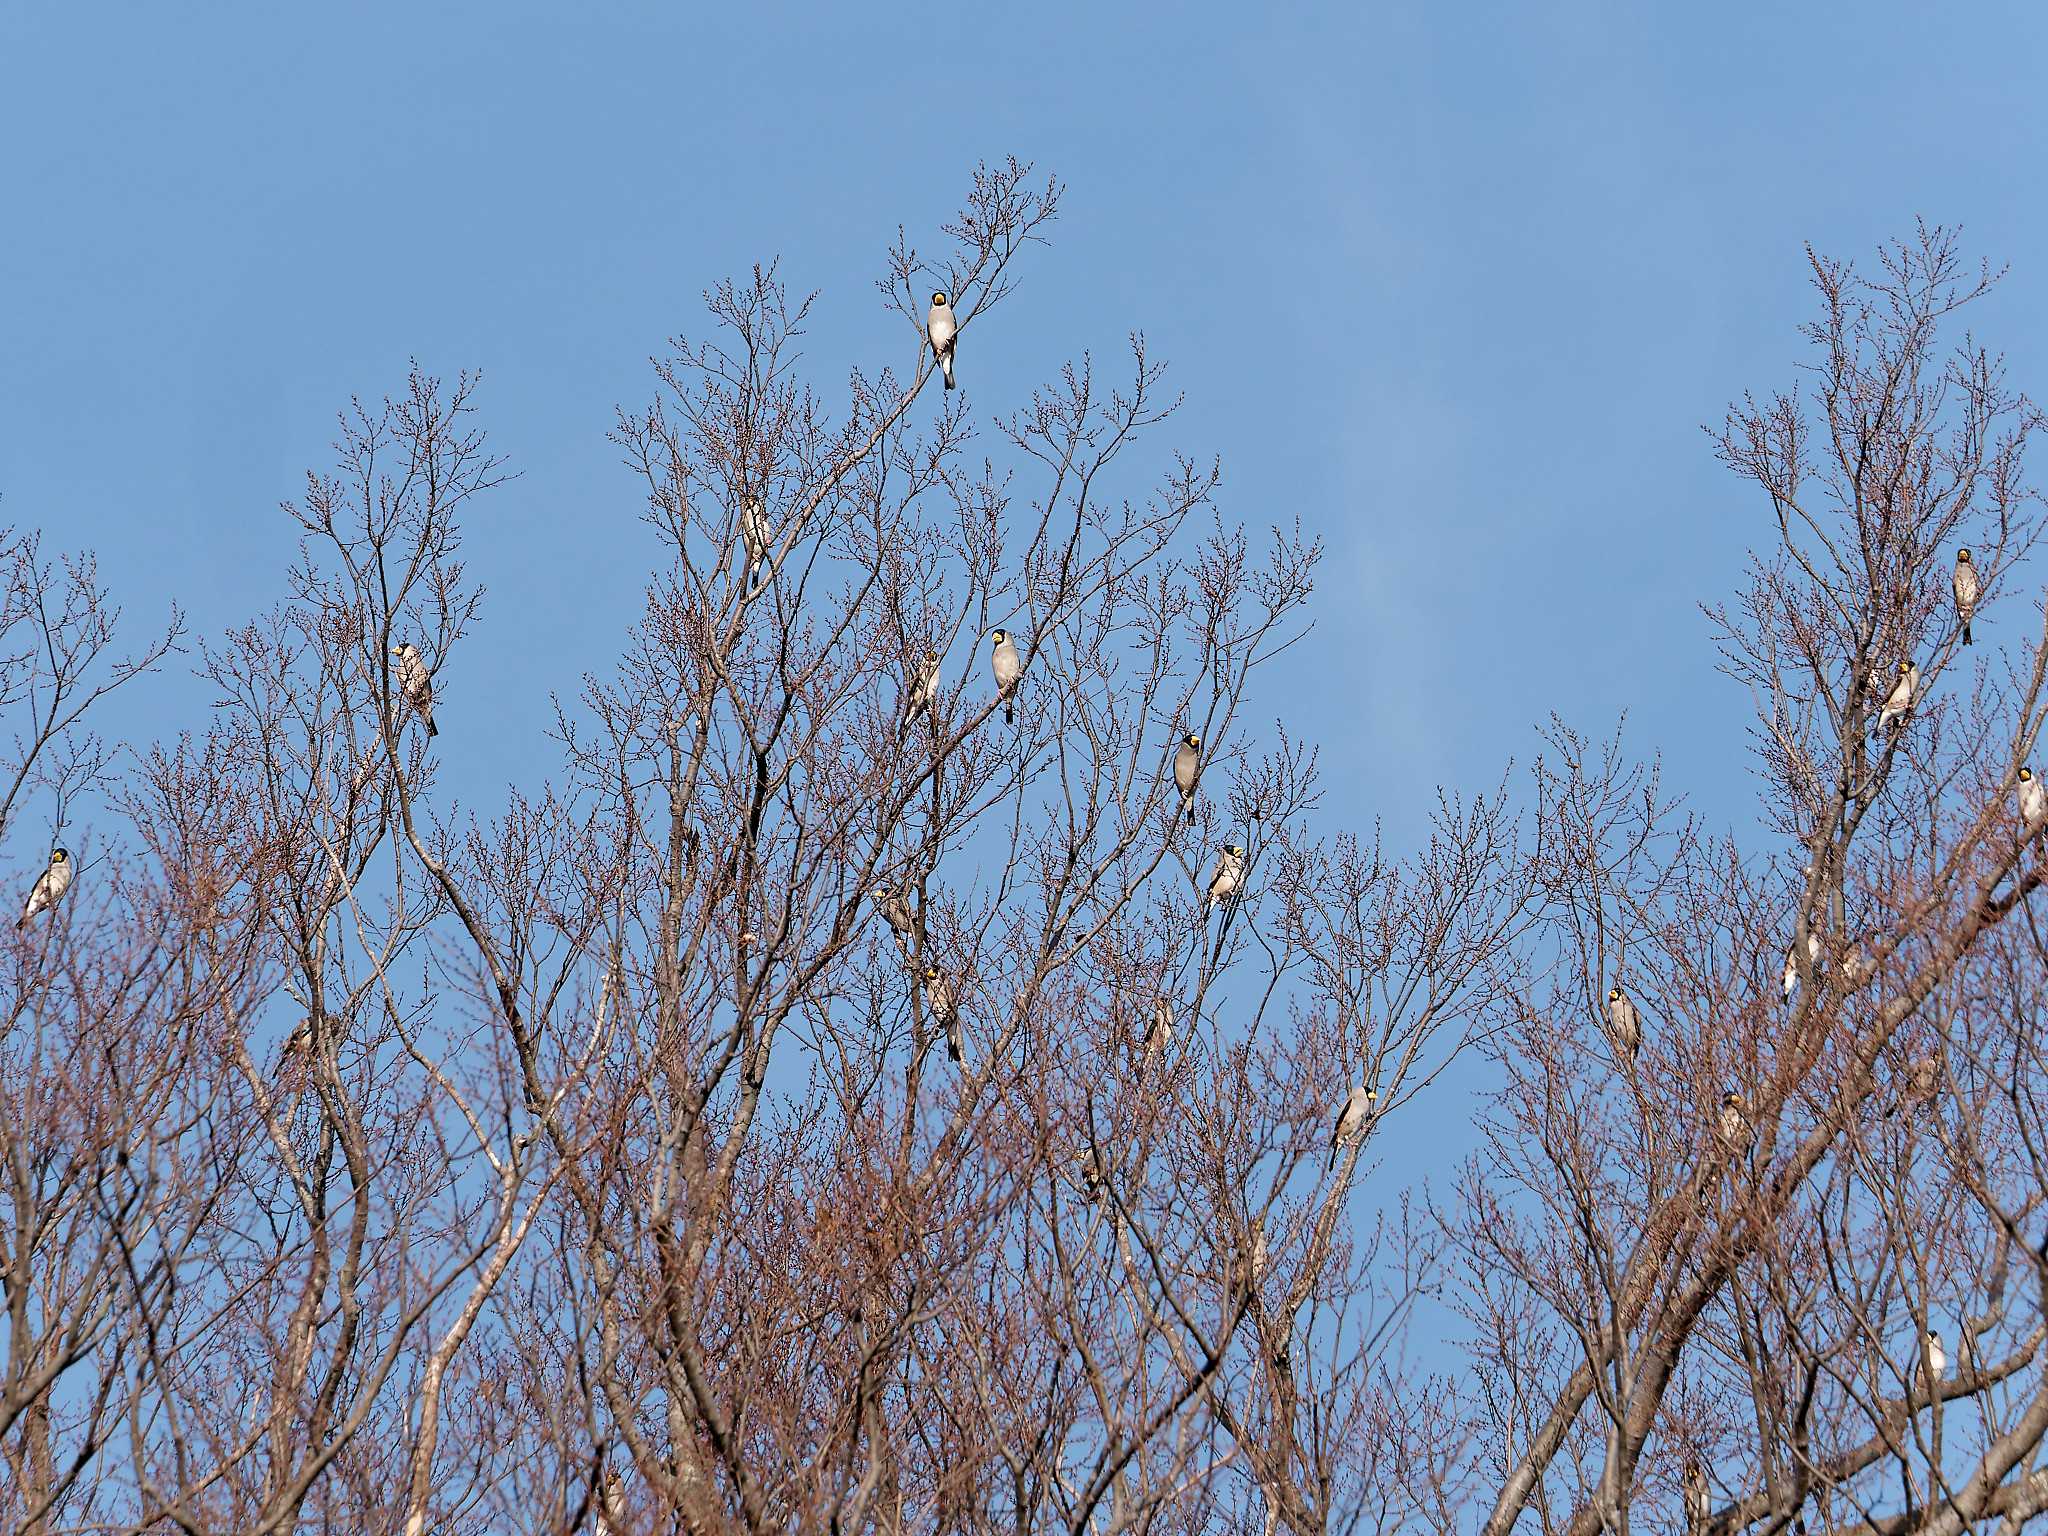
1779	1246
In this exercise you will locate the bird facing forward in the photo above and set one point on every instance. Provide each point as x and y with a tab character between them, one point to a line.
416	683
1964	585
49	887
942	330
2033	801
1625	1022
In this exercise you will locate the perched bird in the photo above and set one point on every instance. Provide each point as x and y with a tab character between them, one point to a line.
895	913
1160	1034
2033	801
49	887
754	532
415	683
1964	584
1790	983
1187	766
1857	967
1008	667
1900	699
1229	874
1352	1120
1733	1122
1090	1167
1624	1021
1255	1263
942	329
1923	1082
922	693
611	1505
1696	1500
1937	1357
938	998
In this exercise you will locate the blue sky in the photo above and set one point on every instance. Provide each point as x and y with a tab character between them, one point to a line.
1456	285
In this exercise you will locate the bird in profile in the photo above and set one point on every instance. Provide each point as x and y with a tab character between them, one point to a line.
1790	982
1353	1119
1187	767
1733	1122
920	697
942	330
1857	967
1964	585
1900	699
895	913
938	999
416	683
754	532
2033	801
1229	875
1937	1357
1696	1500
1008	667
1625	1022
49	888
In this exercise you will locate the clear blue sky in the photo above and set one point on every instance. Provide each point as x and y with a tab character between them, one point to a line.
1456	284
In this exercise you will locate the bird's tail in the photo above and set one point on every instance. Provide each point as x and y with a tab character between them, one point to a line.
1333	1154
1009	706
22	924
952	1045
946	366
432	729
1966	633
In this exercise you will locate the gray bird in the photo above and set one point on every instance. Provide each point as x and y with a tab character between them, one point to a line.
1923	1082
1229	874
942	330
1790	983
1900	699
895	913
611	1505
1624	1021
1733	1122
1696	1499
49	887
1857	967
922	694
754	533
2033	801
938	999
1160	1034
1937	1357
1187	767
1353	1118
1009	666
416	683
1964	584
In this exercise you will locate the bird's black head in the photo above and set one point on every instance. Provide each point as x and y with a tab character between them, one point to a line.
1193	740
1614	994
2026	775
938	299
1962	557
931	973
998	636
1905	665
1234	850
1731	1099
60	856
